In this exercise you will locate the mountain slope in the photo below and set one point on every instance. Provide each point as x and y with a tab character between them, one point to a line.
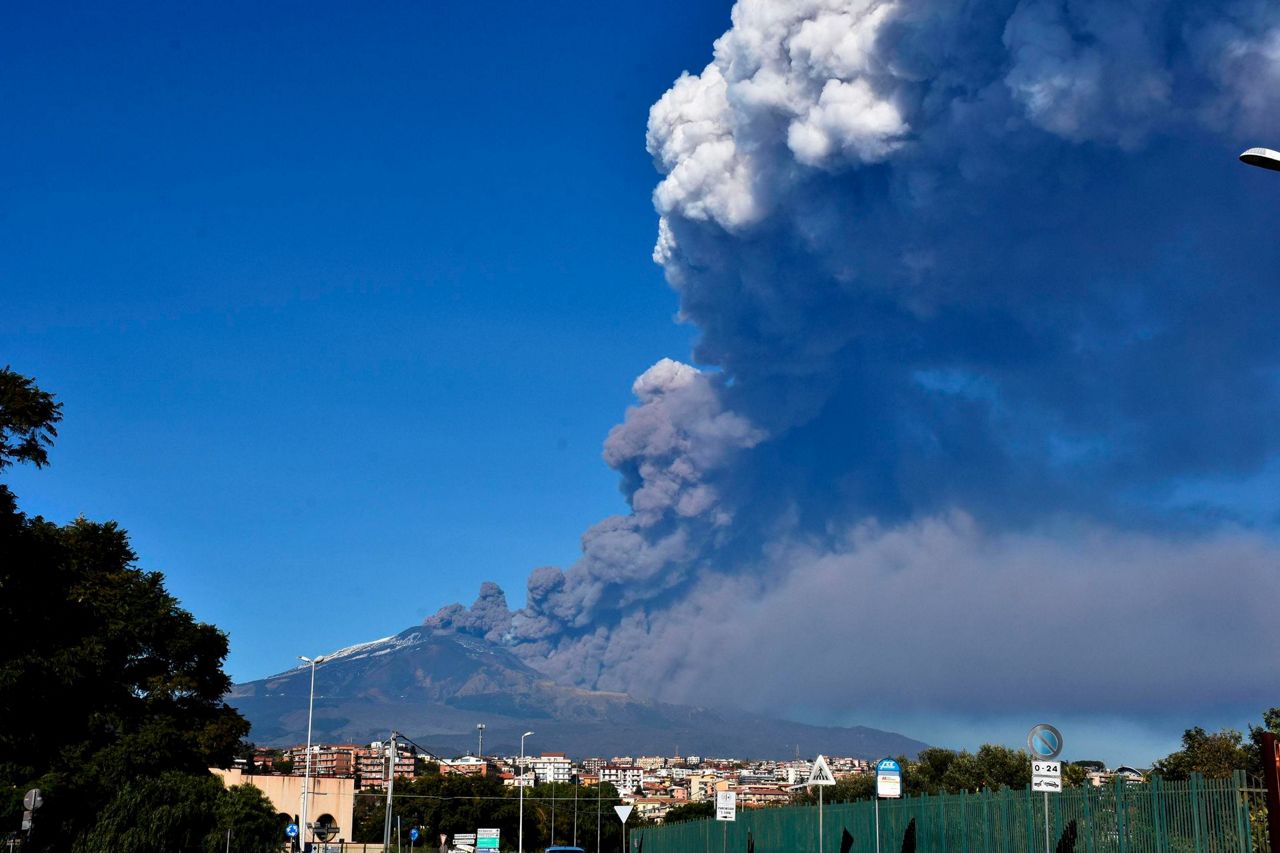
435	686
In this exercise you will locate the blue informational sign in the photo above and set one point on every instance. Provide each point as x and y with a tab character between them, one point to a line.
888	765
413	834
291	830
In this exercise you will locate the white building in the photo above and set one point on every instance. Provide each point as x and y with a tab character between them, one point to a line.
551	767
626	778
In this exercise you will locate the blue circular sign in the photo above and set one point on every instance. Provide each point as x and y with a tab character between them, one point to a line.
888	765
413	834
1044	741
291	830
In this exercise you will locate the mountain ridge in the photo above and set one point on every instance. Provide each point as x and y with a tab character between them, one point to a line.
435	685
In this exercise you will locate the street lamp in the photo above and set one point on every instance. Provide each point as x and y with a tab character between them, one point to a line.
1262	157
306	779
520	783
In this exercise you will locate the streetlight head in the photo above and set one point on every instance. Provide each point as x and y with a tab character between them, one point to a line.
526	734
1264	158
304	658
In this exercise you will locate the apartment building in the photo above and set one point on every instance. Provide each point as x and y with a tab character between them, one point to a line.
551	767
468	765
626	778
371	764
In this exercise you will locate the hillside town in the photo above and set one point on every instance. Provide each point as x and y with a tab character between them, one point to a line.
653	784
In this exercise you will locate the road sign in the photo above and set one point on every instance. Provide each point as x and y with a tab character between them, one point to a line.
888	779
413	834
624	812
726	805
32	800
291	830
324	831
487	839
1046	776
443	838
1044	742
464	839
820	774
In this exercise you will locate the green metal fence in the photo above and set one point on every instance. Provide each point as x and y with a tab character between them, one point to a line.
1197	816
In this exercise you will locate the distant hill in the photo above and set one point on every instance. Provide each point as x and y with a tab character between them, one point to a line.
435	686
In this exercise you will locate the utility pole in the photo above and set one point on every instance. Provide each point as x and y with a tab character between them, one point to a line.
391	784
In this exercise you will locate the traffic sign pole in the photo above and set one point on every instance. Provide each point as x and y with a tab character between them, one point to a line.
1046	823
1044	742
820	787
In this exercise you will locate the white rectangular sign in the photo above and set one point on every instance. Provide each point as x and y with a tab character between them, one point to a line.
726	805
1046	776
888	785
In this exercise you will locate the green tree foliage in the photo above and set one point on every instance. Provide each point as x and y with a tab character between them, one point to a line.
454	803
180	811
28	421
941	771
251	818
944	771
1270	723
691	811
105	679
1214	755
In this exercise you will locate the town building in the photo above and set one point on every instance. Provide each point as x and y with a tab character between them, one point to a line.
551	767
625	777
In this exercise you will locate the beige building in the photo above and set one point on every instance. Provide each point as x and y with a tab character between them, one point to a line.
334	798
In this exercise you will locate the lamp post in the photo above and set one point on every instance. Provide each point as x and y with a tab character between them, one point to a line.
1264	158
306	779
520	782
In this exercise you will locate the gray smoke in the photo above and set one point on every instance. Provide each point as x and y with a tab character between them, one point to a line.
989	332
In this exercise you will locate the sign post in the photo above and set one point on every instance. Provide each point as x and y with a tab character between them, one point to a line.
821	776
1045	745
888	785
726	811
624	812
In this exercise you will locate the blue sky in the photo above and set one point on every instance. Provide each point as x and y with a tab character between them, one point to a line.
340	304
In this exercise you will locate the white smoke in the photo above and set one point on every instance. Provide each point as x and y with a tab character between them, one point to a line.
982	300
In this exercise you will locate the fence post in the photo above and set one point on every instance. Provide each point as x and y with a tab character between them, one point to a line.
964	821
1157	812
1242	810
986	820
1121	830
1197	803
1088	818
1031	821
942	814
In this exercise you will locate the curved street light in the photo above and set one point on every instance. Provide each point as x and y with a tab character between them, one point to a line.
306	779
1263	158
520	782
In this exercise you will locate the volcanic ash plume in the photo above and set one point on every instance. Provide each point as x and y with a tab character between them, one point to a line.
988	319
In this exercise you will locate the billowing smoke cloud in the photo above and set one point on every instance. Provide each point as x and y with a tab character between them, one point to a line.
990	321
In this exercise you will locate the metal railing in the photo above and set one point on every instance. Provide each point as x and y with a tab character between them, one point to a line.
1195	816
